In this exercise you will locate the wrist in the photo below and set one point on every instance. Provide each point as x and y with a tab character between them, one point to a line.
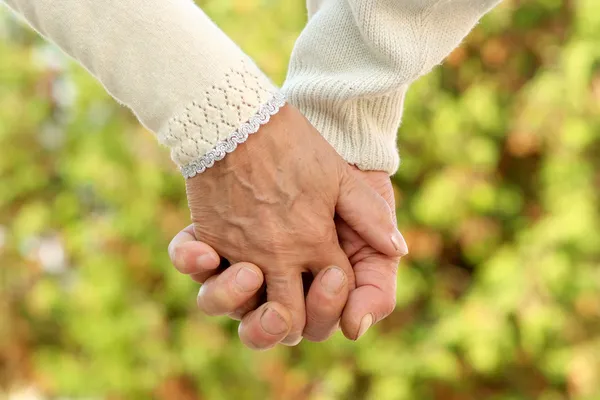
363	130
229	144
219	118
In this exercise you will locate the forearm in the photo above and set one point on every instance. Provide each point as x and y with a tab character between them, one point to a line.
165	59
354	61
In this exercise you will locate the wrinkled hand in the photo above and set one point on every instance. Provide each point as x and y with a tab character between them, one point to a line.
272	203
371	301
375	273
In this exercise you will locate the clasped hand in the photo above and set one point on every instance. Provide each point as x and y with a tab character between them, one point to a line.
281	205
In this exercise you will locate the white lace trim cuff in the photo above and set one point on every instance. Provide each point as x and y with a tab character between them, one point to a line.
220	150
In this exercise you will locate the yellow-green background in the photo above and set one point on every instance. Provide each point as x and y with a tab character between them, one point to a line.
498	196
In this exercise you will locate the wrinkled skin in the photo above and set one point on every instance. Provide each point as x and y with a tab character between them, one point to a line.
263	327
272	203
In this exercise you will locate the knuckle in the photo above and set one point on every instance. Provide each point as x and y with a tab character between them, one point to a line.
275	243
267	242
320	237
324	234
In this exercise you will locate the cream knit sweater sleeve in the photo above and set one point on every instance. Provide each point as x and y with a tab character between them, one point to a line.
354	61
166	60
191	85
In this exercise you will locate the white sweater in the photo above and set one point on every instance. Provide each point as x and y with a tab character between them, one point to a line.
191	85
354	61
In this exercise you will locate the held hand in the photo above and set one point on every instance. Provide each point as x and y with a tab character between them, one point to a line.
238	290
375	273
272	203
375	277
235	291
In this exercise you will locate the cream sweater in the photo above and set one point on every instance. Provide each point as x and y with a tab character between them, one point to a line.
191	85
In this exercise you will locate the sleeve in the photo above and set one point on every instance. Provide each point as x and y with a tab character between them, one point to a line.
179	73
355	60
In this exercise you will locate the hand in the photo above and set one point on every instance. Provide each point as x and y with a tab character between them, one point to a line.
375	273
375	277
238	290
272	203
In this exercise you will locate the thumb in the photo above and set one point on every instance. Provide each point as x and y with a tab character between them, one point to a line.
367	213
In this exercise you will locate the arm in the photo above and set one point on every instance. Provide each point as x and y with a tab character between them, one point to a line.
349	73
272	201
355	60
166	60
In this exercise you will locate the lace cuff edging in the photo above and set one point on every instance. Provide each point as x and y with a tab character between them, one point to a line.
220	150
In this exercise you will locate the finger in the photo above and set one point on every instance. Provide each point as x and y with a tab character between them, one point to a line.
202	277
227	292
327	296
373	299
334	255
286	289
258	299
266	326
369	215
325	302
190	256
250	305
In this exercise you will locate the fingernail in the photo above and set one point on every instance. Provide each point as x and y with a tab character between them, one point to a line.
293	343
399	243
333	280
272	322
365	323
247	279
207	260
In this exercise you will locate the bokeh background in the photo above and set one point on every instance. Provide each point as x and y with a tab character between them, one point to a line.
498	197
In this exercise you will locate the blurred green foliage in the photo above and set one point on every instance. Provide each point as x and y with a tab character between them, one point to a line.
498	196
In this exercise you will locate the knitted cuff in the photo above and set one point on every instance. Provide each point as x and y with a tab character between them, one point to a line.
210	127
362	130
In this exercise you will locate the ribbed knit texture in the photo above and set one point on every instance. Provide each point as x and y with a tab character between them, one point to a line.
353	63
191	85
